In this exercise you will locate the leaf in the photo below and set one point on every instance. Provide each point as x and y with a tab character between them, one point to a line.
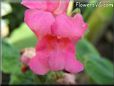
10	59
25	78
84	48
22	37
99	69
98	21
90	9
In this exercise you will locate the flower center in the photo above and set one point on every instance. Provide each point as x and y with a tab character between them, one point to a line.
56	42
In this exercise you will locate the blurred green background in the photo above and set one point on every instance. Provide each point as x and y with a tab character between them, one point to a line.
95	50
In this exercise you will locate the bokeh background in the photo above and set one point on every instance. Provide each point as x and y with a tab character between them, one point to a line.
95	50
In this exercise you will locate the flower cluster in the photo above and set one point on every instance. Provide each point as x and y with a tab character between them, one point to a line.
57	35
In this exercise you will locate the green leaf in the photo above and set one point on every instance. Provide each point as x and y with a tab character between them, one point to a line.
84	48
99	69
30	78
22	37
10	59
98	21
25	78
90	9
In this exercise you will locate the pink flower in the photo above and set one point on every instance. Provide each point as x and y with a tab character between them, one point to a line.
43	23
55	49
54	54
54	6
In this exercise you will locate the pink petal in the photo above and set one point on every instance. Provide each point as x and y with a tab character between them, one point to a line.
40	22
41	45
70	47
39	64
80	24
52	5
35	4
72	65
66	26
57	60
55	51
57	6
62	7
50	45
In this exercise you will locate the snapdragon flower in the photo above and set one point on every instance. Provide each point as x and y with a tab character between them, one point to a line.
57	37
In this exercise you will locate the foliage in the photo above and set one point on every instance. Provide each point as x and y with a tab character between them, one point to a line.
97	22
22	37
99	69
10	59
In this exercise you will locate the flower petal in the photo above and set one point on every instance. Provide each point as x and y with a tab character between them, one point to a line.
66	26
35	4
39	64
57	60
72	65
62	7
52	5
41	44
40	22
56	50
